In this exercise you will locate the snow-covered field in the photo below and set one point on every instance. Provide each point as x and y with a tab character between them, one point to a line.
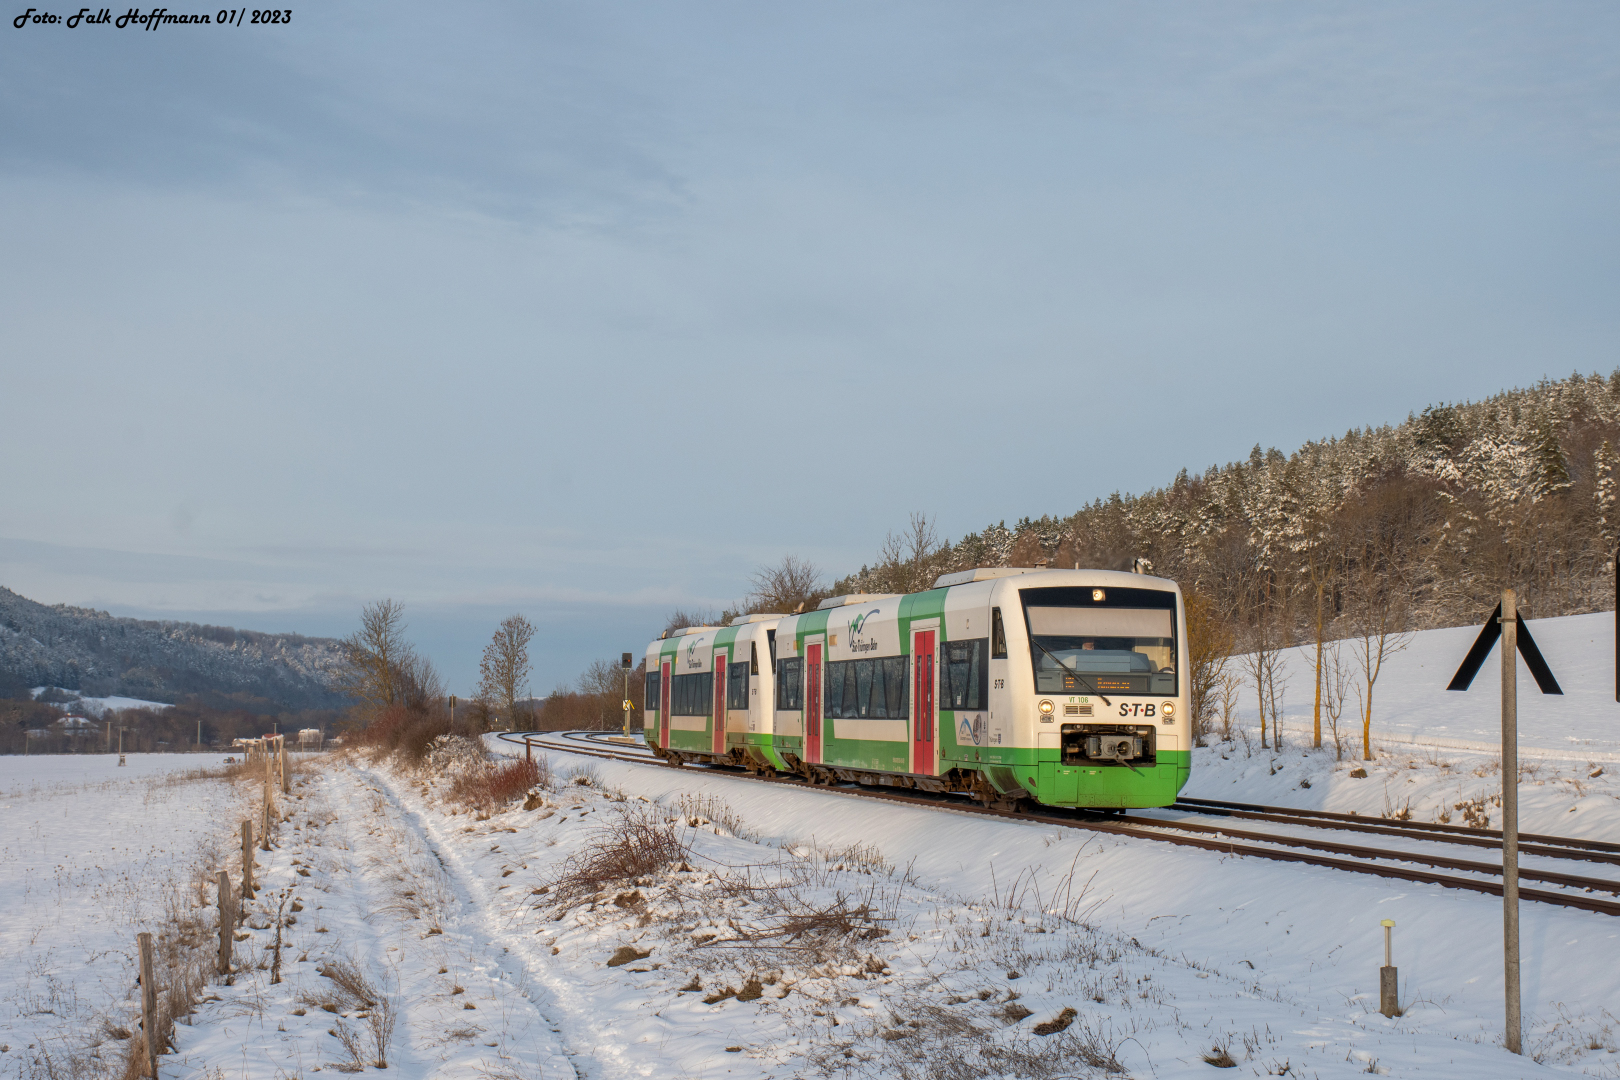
968	932
98	706
90	855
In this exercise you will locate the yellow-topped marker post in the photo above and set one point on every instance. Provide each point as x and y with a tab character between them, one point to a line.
1388	999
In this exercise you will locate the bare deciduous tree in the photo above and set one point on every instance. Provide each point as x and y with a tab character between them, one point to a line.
1231	686
1378	527
1263	663
1334	686
785	588
503	674
1209	643
911	560
680	619
1319	555
373	657
419	684
603	683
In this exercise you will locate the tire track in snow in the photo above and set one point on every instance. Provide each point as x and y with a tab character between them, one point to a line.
395	848
372	892
597	1052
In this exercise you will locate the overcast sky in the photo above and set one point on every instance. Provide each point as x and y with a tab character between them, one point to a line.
586	311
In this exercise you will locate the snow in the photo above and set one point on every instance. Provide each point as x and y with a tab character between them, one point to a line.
1163	952
90	855
1411	702
99	706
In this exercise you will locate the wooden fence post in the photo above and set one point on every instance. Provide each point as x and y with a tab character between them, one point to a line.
247	860
264	838
149	1019
286	789
227	923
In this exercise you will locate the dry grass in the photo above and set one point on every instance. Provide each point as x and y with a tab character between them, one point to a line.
636	842
184	957
497	783
933	1042
713	810
818	931
352	991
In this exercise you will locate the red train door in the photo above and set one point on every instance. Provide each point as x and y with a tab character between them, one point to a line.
922	708
663	705
719	702
812	703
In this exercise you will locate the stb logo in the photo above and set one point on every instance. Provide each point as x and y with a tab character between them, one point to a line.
691	652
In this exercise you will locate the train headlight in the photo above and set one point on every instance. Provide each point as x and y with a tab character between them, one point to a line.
1046	707
1098	596
1168	708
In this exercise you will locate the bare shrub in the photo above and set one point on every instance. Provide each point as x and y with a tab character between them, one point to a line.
636	842
711	809
382	1017
352	1045
583	776
495	783
814	928
350	989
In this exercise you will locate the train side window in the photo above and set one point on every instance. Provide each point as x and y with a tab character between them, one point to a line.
789	683
873	688
653	698
770	636
998	636
966	673
691	695
897	686
737	686
753	658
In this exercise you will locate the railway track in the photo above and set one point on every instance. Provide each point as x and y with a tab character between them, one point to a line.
1573	890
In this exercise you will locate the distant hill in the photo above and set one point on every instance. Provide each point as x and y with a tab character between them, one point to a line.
99	655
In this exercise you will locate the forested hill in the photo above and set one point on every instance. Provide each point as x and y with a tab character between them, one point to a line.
1440	511
99	655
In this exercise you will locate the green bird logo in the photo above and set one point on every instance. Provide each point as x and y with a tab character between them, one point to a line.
856	623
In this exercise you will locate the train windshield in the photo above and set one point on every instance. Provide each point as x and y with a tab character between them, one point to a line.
1102	649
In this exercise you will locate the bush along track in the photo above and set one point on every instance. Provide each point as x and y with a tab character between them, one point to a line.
578	930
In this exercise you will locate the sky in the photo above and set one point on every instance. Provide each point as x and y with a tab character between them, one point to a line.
586	312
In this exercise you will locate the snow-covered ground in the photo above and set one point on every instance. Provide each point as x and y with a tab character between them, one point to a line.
979	929
99	706
1411	702
90	855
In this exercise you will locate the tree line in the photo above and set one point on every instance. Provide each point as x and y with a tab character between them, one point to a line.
1345	546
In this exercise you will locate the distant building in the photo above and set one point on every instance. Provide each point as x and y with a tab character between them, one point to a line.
75	726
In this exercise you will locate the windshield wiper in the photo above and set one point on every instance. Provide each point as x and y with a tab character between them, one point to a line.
1033	641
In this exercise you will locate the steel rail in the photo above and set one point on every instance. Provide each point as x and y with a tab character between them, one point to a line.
1456	834
1160	831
